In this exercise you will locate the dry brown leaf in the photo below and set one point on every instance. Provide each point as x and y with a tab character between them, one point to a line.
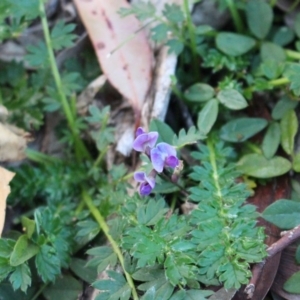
127	65
5	178
13	143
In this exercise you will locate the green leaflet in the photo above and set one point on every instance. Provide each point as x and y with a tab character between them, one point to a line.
208	116
232	99
271	51
114	288
271	140
289	127
292	284
285	214
66	287
259	17
239	130
24	249
268	168
166	133
234	44
199	92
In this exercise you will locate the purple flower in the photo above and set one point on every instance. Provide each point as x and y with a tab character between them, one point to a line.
144	141
147	182
163	155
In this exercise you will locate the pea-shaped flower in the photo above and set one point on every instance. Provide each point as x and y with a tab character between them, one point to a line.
163	155
147	182
144	141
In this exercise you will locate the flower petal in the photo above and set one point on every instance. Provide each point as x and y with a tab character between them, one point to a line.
153	136
167	149
171	161
139	144
145	189
157	160
139	176
150	180
145	140
139	131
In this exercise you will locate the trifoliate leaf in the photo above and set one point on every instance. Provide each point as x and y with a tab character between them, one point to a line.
61	35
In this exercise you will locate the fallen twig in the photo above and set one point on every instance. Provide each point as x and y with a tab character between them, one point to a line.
288	237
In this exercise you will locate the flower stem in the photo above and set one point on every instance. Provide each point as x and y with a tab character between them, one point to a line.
101	221
213	162
80	148
292	54
238	23
37	294
279	81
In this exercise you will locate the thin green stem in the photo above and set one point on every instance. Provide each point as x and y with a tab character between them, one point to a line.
292	54
238	23
101	221
294	5
100	157
40	157
192	36
213	162
279	81
80	148
37	294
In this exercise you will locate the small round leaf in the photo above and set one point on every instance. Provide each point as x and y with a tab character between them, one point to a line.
257	165
208	116
271	140
259	17
234	44
289	128
239	130
271	51
232	99
199	92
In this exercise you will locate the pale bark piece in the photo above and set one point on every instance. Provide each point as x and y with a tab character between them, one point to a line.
13	142
122	49
5	177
